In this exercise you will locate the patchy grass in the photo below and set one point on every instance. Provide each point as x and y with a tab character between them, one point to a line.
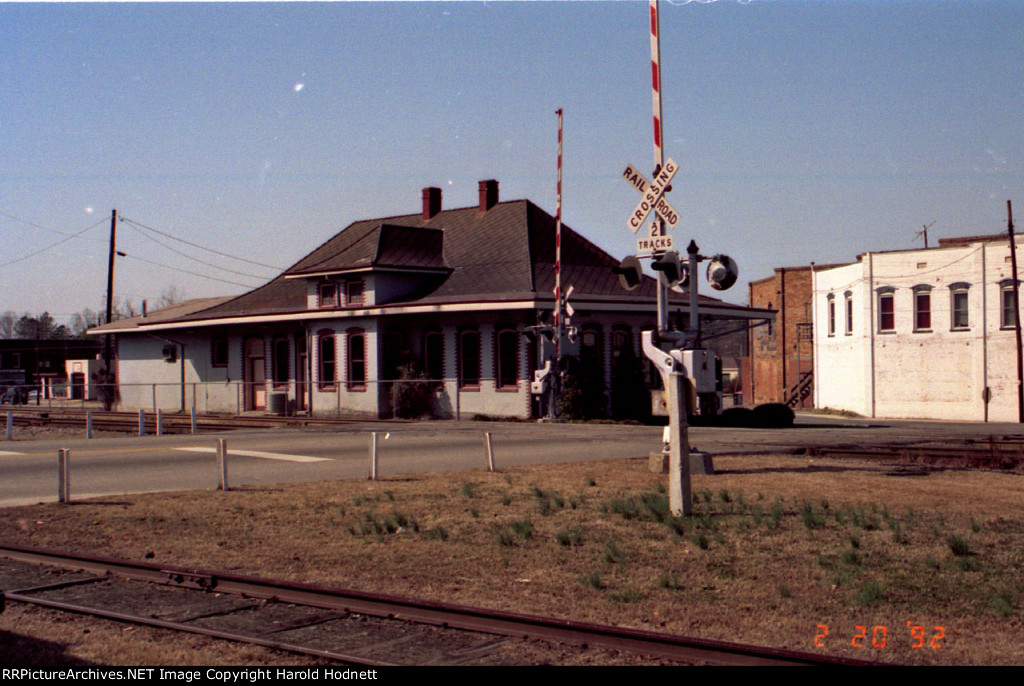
776	546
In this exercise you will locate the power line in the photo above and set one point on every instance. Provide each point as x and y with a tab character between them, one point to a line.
185	271
67	238
196	259
201	247
47	228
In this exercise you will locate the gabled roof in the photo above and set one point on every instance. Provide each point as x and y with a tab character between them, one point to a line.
466	255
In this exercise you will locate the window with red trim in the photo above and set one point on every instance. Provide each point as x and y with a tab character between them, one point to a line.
354	293
356	359
507	358
328	295
469	359
327	360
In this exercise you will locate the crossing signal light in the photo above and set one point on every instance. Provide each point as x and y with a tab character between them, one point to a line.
670	270
630	273
722	272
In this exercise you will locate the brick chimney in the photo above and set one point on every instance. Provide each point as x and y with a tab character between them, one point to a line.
488	194
431	203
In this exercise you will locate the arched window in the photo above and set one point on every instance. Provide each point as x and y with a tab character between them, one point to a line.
326	360
1007	320
831	314
622	339
280	366
848	307
356	359
591	353
433	355
506	358
922	308
959	312
886	309
469	359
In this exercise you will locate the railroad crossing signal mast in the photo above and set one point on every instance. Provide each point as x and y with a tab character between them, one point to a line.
674	353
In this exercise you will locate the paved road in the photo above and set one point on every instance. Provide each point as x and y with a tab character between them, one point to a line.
113	466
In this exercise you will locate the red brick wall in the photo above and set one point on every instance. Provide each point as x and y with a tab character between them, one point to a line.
775	349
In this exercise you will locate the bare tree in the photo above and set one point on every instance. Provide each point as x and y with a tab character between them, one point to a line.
8	320
171	295
83	321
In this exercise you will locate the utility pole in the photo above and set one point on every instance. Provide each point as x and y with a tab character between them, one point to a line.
1016	312
110	289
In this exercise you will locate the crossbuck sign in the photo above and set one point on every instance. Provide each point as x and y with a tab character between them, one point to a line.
652	192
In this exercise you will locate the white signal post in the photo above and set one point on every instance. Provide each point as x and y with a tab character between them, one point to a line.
680	500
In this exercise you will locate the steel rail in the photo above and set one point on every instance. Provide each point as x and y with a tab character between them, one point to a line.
978	453
21	596
665	646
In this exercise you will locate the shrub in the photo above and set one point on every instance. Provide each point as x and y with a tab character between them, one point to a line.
870	593
737	417
958	545
773	415
569	537
413	394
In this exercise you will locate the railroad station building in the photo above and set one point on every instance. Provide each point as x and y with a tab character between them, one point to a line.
437	301
925	333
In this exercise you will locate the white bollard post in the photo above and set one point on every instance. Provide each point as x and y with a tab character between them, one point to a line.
10	425
222	462
194	426
490	452
88	424
63	475
142	422
159	422
680	499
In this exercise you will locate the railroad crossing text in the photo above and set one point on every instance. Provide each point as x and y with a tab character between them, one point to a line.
222	675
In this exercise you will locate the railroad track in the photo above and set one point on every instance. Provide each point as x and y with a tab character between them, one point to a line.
976	455
350	627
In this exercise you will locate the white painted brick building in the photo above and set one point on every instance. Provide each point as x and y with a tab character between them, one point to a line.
919	333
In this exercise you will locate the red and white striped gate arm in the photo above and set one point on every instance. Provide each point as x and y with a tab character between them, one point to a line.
558	247
659	153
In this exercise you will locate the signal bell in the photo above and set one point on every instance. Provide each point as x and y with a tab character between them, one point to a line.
722	272
629	272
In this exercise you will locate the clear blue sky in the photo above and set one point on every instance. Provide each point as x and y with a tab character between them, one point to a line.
805	130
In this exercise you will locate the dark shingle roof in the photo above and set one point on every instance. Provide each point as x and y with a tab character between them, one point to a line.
506	253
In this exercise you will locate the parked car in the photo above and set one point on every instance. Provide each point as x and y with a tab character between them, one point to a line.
19	395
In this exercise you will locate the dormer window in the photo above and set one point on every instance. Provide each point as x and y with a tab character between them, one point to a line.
328	295
354	294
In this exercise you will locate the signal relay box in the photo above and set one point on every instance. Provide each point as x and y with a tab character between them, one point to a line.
701	367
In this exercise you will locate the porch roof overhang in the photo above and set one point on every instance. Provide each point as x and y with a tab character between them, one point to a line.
712	308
